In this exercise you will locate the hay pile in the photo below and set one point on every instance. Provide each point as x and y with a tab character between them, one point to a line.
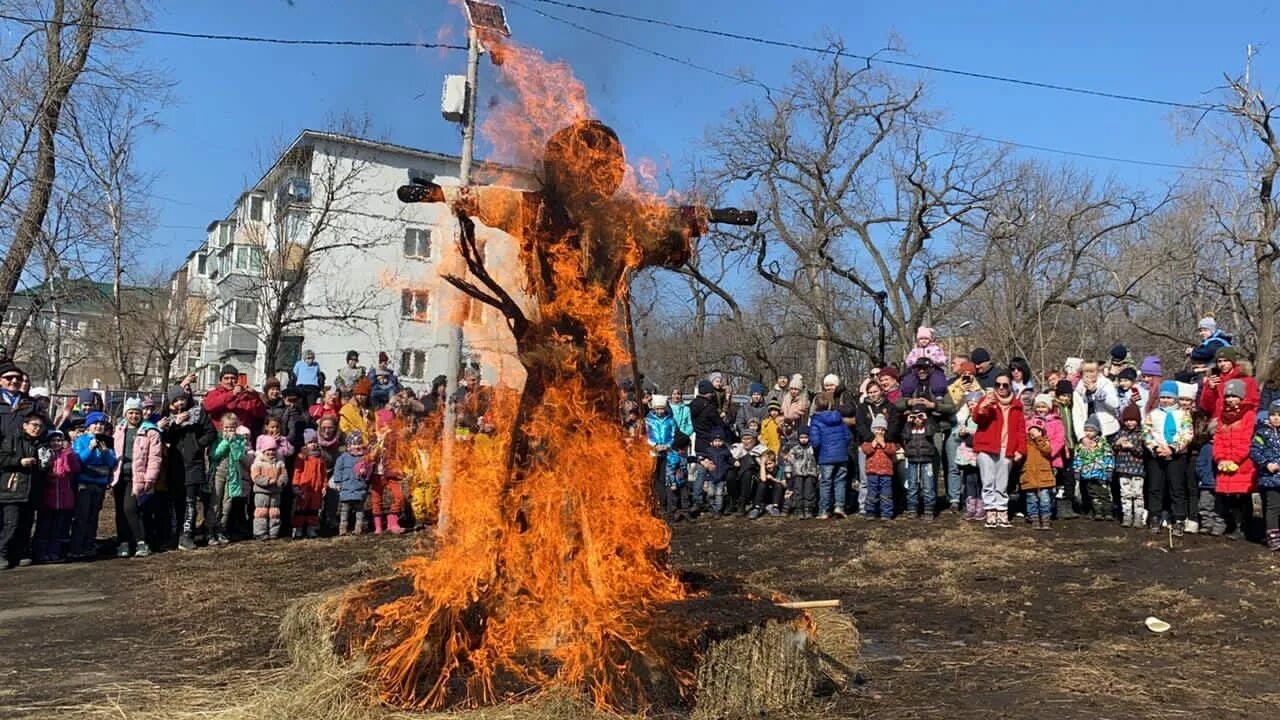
772	669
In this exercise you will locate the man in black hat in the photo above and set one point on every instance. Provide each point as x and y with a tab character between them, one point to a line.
987	371
232	396
705	414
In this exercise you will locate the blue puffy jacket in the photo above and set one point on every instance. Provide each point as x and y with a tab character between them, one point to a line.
96	464
829	437
352	486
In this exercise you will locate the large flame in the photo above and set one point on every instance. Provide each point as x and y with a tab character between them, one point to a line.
553	560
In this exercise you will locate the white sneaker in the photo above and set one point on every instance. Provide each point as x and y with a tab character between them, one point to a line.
122	550
1191	527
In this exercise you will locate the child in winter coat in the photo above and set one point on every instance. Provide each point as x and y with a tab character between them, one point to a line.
269	480
1235	469
230	463
20	473
58	501
1168	430
830	438
1093	463
770	487
351	480
1130	452
880	458
97	461
1037	475
926	348
1265	453
802	476
386	495
967	458
716	462
770	428
660	429
917	443
310	478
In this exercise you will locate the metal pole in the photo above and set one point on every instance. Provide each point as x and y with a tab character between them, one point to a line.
453	353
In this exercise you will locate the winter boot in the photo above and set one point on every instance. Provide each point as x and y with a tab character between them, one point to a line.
1273	540
973	508
186	542
297	533
143	550
377	524
1191	526
122	550
313	532
393	524
1002	519
992	522
359	523
1046	523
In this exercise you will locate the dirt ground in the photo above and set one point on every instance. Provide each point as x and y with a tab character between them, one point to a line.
956	621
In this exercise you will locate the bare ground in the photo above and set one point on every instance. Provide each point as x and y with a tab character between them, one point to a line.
956	621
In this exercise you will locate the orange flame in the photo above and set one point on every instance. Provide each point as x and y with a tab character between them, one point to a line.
553	561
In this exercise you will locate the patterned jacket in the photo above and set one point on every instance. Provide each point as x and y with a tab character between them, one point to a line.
1094	464
1130	461
802	461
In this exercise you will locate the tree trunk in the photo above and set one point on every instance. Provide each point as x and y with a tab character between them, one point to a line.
59	79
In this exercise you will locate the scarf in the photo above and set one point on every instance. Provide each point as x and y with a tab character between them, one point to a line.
1170	426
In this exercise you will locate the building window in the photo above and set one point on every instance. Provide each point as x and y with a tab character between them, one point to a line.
256	204
226	233
413	364
413	305
245	312
202	264
417	243
249	259
192	364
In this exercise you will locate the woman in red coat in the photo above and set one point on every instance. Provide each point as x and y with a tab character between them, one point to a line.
1235	471
1001	441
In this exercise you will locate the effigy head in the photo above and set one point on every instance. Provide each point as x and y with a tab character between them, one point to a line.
584	162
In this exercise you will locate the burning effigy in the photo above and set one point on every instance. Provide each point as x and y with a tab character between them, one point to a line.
552	571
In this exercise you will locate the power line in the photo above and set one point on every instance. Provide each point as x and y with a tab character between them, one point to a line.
236	38
913	123
877	59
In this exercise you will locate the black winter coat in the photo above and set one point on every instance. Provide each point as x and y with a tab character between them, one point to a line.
864	414
705	415
186	451
17	483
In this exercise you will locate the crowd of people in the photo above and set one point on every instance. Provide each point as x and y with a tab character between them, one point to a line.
1110	439
1113	439
299	459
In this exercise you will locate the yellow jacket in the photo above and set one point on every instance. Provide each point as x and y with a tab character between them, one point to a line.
352	418
769	436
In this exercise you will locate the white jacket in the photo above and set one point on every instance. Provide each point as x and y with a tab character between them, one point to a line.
1106	406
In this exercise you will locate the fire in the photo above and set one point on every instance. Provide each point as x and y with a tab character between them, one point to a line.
553	561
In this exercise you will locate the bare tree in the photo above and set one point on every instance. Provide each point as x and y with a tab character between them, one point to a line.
1245	218
856	203
59	51
106	126
303	240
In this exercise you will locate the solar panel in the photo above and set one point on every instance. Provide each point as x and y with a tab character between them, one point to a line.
487	16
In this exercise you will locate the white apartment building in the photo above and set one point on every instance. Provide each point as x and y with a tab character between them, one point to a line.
372	271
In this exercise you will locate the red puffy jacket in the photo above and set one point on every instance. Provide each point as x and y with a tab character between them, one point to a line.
1211	397
1231	443
995	420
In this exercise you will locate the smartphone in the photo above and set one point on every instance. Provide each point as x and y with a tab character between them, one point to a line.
243	380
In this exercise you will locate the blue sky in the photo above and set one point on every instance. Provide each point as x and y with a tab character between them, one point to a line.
234	100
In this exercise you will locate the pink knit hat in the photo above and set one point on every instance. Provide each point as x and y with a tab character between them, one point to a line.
267	442
924	333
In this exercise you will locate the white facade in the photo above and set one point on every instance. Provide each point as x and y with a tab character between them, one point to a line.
373	280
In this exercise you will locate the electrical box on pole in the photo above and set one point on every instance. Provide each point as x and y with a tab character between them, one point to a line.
453	99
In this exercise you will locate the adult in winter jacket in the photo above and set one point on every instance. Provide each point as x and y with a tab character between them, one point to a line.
20	474
830	438
231	397
140	449
1000	441
344	379
14	404
1095	396
755	408
795	406
188	435
357	414
1228	369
